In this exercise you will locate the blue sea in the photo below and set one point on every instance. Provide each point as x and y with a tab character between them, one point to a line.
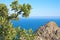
34	23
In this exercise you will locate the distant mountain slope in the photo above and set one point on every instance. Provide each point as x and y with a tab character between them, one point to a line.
50	31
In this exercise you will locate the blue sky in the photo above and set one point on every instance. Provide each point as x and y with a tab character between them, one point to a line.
40	8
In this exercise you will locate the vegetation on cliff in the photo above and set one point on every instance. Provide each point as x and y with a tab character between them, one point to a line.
50	31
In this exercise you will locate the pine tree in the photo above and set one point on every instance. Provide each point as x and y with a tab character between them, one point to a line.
7	30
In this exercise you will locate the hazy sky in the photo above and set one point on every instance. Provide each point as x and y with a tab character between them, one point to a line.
40	8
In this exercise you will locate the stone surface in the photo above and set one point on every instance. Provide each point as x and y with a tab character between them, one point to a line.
50	31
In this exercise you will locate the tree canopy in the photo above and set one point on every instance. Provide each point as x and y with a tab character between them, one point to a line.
7	30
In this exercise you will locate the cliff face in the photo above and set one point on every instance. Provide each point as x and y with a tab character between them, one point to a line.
50	31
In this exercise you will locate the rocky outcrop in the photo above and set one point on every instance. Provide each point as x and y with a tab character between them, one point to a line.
50	31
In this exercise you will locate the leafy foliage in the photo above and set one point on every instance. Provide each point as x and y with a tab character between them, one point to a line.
25	8
7	30
23	34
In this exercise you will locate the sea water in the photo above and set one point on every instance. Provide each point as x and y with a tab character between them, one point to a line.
34	23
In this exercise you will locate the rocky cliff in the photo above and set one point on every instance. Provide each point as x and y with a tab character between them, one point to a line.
50	31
